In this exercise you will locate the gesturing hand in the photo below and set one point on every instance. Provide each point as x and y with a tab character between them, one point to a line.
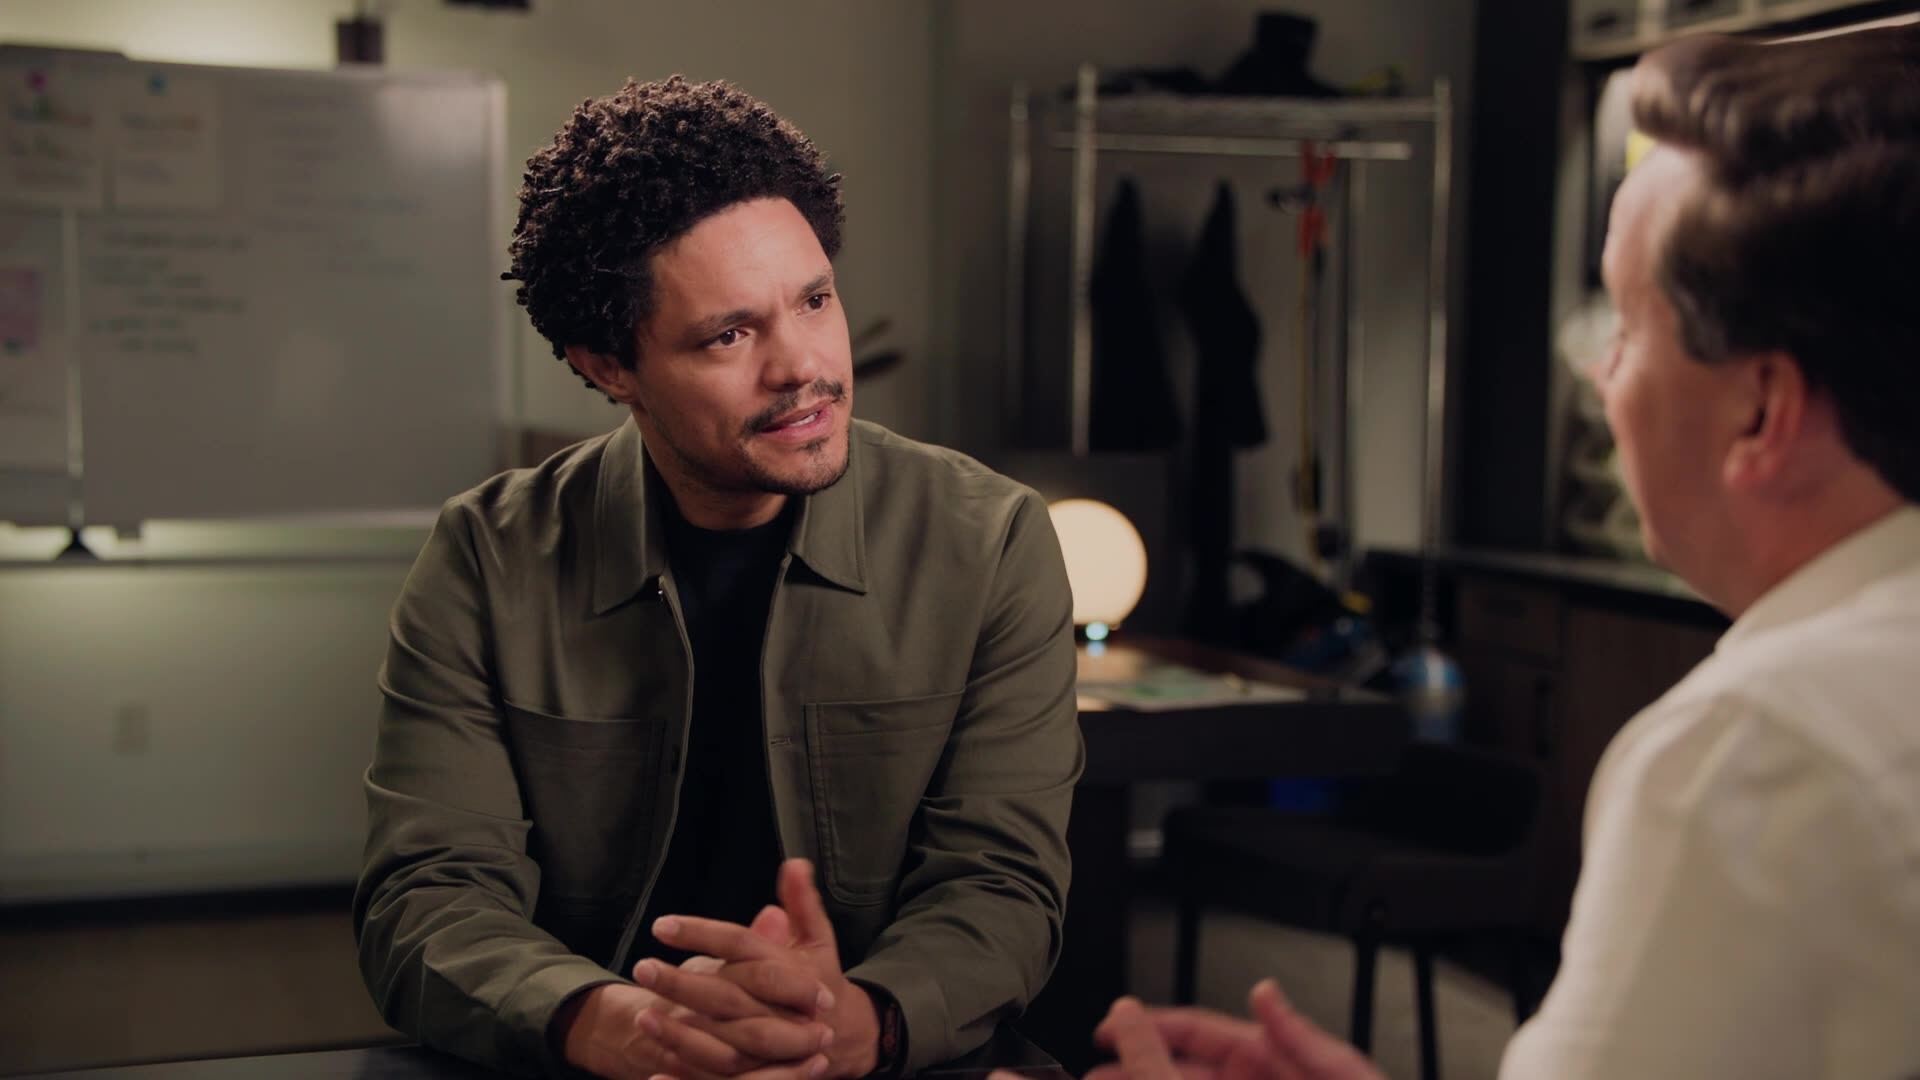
746	1008
1309	1052
1198	1044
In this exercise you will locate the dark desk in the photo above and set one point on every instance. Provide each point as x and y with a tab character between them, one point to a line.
1330	732
1008	1050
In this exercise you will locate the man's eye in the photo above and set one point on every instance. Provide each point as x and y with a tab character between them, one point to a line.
725	338
818	301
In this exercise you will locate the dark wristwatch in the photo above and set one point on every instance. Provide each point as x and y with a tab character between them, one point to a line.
890	1055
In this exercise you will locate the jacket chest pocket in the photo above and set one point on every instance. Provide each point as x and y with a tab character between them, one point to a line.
591	787
871	763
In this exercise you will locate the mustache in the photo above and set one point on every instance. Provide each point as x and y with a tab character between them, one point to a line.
829	391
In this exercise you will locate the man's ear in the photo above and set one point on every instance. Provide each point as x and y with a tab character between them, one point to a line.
613	378
1774	394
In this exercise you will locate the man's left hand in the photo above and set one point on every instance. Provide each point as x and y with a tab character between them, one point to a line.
1195	1044
1198	1044
768	971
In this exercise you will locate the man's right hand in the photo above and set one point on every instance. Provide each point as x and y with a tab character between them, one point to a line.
599	1031
613	1031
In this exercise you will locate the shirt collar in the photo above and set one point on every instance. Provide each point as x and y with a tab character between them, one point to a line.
1835	576
630	547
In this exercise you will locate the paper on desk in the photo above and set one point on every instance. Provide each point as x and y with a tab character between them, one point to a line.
1171	687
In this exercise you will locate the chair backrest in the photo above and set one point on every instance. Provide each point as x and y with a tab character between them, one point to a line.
1453	798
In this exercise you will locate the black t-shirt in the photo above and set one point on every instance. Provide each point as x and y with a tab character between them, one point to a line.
724	853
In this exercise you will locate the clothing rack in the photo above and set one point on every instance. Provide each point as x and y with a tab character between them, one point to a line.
1360	132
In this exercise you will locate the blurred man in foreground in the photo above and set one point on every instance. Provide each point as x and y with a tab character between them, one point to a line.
1749	904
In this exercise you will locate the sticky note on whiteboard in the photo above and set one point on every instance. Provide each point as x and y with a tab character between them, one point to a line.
50	151
19	310
165	136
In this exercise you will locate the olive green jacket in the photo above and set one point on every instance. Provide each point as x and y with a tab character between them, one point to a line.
921	743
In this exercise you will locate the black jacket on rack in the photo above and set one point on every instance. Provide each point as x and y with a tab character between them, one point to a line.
1131	405
1226	334
1227	411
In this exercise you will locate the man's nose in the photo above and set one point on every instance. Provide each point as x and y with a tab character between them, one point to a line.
793	361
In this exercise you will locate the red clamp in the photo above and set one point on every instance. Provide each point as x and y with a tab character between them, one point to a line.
1317	168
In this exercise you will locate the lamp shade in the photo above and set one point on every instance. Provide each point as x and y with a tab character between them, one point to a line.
1106	560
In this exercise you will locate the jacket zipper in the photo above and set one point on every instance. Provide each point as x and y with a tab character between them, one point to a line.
663	586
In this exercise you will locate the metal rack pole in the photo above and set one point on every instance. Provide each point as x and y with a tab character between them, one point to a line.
1347	381
1014	301
1282	117
1238	146
1433	526
1084	105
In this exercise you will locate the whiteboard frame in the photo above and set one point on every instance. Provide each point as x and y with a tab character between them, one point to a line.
502	361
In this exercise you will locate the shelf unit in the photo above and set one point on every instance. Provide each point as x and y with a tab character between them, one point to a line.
1362	133
1618	29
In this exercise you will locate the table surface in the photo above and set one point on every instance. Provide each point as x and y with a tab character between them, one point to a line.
1331	730
1008	1050
1129	656
1328	731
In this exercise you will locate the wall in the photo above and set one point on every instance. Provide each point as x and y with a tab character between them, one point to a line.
171	728
984	46
196	725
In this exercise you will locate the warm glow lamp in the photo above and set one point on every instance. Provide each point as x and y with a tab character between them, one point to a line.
1106	563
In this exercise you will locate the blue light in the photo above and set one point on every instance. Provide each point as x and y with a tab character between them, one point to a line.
1096	631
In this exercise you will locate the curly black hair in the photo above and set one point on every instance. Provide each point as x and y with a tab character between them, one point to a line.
636	170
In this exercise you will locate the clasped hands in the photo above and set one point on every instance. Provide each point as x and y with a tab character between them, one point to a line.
766	1001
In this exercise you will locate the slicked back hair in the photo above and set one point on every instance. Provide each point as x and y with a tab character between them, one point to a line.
1805	236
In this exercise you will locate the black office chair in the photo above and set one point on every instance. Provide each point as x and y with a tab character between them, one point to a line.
1444	849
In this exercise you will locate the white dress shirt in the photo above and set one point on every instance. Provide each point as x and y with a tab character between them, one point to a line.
1750	900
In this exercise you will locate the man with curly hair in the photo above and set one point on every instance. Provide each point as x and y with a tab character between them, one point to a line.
636	694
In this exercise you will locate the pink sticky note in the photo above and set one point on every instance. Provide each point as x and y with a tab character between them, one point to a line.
19	309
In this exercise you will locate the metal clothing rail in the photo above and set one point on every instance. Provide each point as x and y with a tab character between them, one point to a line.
1236	146
1358	132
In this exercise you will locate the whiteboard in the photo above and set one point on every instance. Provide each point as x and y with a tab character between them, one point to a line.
244	293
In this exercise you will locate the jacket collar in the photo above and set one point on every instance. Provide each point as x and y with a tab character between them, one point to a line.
629	544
